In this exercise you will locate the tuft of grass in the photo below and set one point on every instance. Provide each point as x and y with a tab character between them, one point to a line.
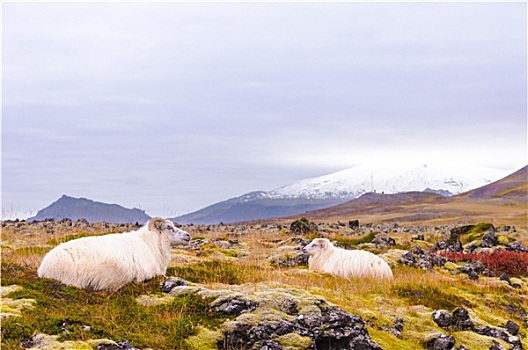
31	250
209	272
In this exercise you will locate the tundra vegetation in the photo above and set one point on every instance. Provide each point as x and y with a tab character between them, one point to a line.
262	265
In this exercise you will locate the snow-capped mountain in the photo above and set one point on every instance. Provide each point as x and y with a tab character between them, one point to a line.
339	187
392	178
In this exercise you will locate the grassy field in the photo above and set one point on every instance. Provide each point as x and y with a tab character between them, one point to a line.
239	258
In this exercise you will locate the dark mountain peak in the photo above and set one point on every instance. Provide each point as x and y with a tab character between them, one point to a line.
83	208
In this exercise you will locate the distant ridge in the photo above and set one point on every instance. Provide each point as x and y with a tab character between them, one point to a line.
376	203
342	186
251	206
81	208
514	186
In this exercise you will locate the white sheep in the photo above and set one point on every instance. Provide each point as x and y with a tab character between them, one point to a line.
111	261
325	257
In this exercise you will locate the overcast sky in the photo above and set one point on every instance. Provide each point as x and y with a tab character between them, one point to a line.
171	107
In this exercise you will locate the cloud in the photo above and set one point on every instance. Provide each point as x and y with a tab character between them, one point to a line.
117	101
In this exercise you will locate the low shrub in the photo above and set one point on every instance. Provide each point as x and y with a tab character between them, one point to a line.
498	261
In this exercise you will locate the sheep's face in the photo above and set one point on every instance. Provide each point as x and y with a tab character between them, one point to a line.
179	237
316	245
176	235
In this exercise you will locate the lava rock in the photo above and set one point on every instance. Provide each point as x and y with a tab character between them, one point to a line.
397	329
334	328
505	277
461	319
499	334
512	327
303	226
440	342
236	306
121	345
172	283
453	243
382	240
489	239
353	224
417	257
442	318
496	346
517	247
474	268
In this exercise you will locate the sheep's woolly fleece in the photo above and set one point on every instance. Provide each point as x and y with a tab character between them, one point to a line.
325	257
111	261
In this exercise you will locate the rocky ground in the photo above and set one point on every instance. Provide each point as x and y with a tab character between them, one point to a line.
248	287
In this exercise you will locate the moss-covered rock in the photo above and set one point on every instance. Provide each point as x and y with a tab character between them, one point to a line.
13	307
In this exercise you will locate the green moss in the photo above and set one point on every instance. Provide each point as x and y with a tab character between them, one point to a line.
451	266
232	253
205	339
294	341
476	232
352	242
503	240
389	341
472	340
482	227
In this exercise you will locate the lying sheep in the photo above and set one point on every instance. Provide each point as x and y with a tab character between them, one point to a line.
325	257
111	261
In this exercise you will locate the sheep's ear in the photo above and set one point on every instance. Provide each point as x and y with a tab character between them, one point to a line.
156	224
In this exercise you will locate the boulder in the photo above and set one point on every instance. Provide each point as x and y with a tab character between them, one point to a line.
303	226
439	341
382	240
517	247
512	327
425	260
461	319
171	283
474	268
489	239
443	318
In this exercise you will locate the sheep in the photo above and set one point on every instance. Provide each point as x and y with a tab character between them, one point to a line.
325	257
114	260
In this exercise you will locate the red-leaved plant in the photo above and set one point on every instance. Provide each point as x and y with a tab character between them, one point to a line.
498	261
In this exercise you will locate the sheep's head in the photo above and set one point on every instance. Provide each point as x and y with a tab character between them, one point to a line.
176	235
317	245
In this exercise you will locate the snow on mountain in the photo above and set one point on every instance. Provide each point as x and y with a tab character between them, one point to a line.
392	178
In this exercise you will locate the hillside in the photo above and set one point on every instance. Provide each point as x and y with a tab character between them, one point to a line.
514	187
503	201
82	208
